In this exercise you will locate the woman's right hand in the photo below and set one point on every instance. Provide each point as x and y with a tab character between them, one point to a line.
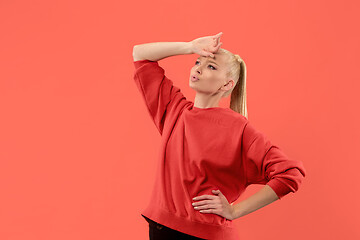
206	46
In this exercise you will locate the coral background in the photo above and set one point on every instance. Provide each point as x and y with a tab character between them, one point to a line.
77	146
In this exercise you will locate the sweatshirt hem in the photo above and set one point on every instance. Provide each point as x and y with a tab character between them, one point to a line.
187	226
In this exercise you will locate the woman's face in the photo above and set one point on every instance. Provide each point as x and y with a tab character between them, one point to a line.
211	74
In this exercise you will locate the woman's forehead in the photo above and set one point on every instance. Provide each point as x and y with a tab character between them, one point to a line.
219	58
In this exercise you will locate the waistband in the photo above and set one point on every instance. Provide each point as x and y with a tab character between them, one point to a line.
153	223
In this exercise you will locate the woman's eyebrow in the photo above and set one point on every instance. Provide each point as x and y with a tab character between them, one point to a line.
208	60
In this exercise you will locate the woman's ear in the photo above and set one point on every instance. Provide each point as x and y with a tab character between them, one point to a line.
230	84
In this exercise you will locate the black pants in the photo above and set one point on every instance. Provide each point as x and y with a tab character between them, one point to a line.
161	232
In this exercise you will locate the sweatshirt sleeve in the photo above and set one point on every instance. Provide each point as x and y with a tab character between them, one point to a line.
157	90
266	163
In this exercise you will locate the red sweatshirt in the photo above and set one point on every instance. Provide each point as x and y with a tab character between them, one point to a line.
205	149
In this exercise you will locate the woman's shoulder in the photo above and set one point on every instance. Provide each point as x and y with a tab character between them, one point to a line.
236	115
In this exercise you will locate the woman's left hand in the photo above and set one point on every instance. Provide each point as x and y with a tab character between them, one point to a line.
215	204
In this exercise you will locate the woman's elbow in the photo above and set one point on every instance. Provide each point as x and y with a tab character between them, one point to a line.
136	55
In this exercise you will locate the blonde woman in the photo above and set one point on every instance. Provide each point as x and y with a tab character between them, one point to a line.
209	155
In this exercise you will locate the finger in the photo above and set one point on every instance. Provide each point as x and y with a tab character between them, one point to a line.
208	54
216	42
202	203
219	34
206	207
204	197
204	53
218	37
208	211
215	50
201	197
217	47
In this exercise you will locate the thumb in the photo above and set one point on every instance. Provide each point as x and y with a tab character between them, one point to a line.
206	53
216	191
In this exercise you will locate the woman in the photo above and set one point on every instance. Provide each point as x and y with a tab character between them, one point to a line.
209	154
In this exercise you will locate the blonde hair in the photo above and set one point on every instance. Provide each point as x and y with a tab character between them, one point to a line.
237	71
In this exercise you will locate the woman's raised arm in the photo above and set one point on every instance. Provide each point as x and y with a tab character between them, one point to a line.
158	50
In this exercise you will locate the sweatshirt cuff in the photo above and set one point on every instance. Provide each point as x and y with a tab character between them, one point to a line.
279	187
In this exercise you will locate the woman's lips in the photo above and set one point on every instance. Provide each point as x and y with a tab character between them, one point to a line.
194	79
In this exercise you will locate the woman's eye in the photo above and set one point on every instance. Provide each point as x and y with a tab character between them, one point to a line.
209	65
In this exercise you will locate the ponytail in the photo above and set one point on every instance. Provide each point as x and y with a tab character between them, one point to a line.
238	94
236	71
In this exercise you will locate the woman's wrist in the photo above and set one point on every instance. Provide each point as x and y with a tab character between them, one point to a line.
156	51
190	48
